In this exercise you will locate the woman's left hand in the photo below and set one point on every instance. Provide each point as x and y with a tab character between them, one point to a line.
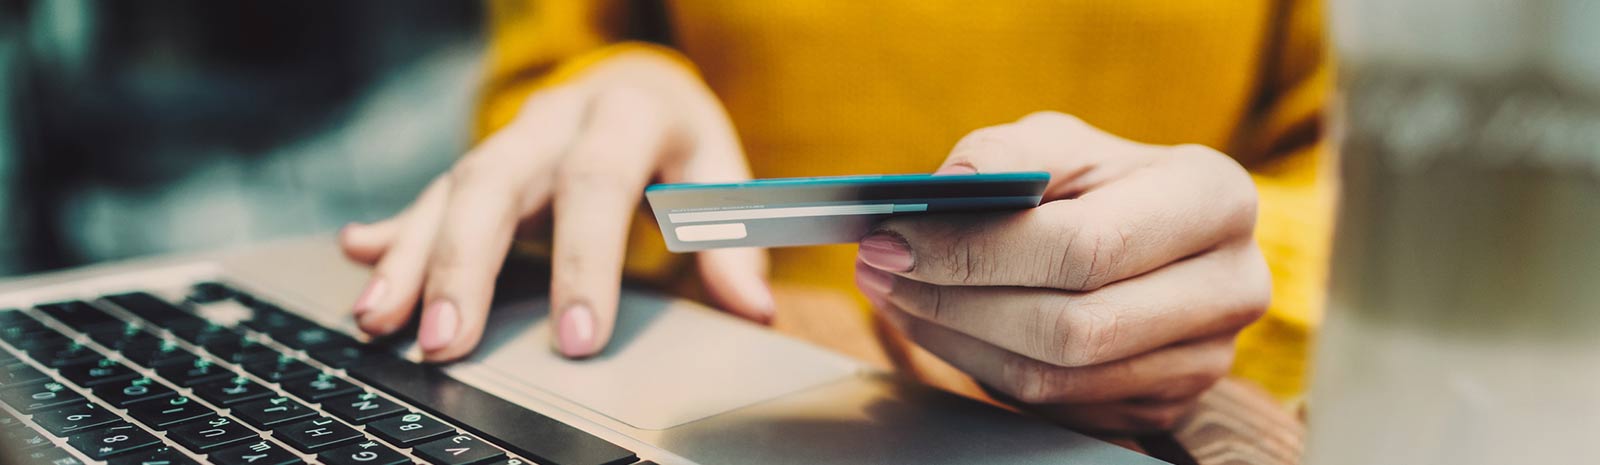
1110	307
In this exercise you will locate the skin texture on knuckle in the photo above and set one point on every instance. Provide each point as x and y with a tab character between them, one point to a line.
1192	383
1237	189
1087	334
1029	381
1087	255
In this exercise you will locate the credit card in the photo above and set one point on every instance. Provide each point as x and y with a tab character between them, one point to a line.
825	210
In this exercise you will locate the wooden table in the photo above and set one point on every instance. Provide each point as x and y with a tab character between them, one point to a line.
1236	423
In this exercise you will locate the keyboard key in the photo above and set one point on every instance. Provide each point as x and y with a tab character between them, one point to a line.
6	358
129	334
20	375
241	351
350	355
275	321
321	387
364	453
361	408
267	413
459	449
7	421
527	433
315	339
283	368
26	328
315	434
50	456
159	354
409	429
80	315
168	413
23	437
156	311
39	397
232	391
98	372
74	419
156	456
41	340
211	292
123	394
202	335
67	353
254	453
210	434
116	440
193	374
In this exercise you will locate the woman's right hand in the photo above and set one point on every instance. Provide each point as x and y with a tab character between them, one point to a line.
576	159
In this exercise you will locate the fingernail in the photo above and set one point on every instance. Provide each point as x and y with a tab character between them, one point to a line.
886	252
956	169
575	334
439	322
369	296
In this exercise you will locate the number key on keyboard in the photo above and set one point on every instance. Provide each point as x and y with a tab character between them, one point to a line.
315	434
168	413
321	387
115	440
74	419
210	434
39	397
460	449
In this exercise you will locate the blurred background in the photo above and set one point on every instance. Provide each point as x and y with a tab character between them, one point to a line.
136	128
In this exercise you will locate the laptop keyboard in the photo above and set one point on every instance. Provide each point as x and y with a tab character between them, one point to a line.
132	379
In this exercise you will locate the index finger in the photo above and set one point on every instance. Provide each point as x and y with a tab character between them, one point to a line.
1119	209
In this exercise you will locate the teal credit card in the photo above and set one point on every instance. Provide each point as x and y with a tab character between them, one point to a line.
826	210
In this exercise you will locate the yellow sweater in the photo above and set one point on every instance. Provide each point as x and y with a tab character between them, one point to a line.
831	88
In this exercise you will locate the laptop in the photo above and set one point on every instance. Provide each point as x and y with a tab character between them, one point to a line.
249	357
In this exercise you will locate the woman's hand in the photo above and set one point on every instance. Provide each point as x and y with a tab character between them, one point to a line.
1110	307
576	159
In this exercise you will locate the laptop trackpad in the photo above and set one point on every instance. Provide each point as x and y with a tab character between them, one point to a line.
670	361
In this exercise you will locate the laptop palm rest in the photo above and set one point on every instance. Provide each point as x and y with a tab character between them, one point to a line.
669	362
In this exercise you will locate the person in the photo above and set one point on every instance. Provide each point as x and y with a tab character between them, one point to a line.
1112	306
